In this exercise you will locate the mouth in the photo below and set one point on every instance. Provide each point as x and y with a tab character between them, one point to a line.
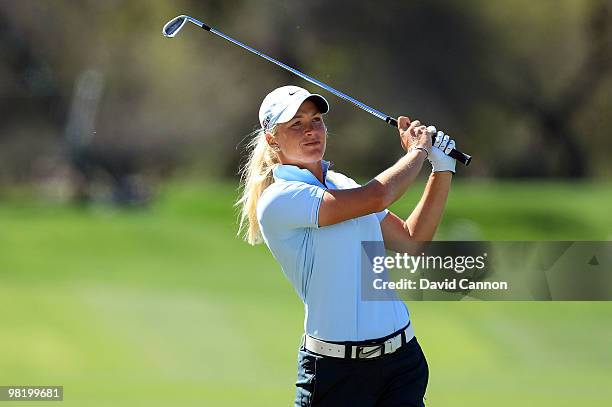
312	143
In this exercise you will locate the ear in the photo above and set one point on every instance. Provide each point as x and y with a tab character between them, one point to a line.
272	142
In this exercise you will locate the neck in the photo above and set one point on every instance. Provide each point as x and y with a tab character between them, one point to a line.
315	168
317	171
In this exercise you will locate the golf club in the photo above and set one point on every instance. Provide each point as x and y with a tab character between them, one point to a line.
173	26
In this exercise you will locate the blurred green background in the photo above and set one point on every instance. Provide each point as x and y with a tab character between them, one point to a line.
167	307
121	276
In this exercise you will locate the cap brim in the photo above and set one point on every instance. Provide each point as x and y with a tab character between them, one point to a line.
320	101
290	111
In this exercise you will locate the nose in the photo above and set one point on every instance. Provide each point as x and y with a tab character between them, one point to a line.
308	127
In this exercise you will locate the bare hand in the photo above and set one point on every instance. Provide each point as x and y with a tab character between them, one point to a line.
413	134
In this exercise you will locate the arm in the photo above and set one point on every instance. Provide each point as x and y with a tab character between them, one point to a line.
409	235
340	205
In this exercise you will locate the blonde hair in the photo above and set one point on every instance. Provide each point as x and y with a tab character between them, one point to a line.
255	176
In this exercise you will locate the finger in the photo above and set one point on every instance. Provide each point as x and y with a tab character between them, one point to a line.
403	123
420	132
431	130
450	147
439	138
415	124
444	142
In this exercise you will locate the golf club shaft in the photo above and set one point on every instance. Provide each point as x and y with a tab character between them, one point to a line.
174	25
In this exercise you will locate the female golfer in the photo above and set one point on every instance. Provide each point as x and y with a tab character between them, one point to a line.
313	220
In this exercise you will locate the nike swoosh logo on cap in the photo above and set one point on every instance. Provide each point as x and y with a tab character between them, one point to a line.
293	93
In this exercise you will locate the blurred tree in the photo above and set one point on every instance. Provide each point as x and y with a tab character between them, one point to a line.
554	113
524	86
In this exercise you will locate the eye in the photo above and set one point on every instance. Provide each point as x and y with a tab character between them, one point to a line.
296	124
316	119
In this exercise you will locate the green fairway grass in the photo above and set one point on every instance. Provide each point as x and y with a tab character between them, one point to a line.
167	307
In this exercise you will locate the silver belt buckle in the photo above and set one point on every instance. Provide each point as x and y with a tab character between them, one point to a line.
369	351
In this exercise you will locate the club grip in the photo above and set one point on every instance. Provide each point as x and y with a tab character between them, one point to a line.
463	158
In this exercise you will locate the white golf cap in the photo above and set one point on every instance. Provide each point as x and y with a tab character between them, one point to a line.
280	105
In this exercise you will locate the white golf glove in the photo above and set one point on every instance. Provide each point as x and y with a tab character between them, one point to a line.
438	157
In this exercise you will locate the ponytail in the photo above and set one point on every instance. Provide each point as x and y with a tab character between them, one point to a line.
255	176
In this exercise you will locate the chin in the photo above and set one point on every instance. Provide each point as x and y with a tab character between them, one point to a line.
314	154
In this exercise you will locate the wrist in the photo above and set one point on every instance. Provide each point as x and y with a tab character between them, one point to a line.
419	148
446	170
441	174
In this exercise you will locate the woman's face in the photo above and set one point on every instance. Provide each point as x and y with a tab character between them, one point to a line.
302	139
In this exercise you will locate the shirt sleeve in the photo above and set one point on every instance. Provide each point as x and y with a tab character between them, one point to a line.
289	206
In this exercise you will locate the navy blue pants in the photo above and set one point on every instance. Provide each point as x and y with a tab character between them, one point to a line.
394	380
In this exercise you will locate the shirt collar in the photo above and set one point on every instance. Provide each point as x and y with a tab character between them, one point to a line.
287	172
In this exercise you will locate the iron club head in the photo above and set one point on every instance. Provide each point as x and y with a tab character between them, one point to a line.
173	26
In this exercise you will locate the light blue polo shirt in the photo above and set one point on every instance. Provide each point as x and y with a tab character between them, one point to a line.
324	263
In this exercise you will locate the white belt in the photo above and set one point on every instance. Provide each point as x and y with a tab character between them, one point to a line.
357	351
